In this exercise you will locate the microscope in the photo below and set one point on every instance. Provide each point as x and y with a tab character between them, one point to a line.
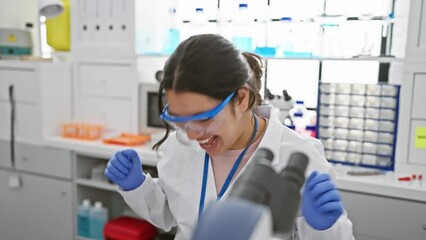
262	203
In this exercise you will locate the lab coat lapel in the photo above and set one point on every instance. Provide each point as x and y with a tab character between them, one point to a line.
196	173
271	140
273	136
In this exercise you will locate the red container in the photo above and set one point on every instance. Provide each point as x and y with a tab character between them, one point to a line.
128	228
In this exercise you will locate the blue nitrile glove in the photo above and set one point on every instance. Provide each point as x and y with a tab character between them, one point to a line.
125	170
321	205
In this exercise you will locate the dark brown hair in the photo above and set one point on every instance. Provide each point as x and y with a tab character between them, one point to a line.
209	64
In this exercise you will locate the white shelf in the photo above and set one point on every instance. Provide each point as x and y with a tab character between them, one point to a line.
383	185
97	148
84	238
96	184
366	58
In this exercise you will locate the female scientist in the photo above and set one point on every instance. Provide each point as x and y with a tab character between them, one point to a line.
213	98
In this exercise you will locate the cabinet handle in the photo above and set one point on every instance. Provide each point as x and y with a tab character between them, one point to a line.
25	159
424	226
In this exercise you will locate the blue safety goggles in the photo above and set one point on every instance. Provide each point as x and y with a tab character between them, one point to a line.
189	122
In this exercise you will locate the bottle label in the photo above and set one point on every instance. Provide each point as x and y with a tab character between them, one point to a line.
83	226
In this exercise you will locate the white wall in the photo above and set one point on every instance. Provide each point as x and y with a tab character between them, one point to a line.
15	13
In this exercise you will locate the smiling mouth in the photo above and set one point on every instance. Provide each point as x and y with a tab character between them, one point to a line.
206	140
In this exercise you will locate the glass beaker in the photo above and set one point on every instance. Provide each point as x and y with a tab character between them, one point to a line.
330	41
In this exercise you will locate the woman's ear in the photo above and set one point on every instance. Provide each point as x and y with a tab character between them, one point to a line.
241	101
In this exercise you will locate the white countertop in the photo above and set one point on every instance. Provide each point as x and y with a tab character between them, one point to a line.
386	184
97	148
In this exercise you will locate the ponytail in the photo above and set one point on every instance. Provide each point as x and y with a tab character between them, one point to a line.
256	64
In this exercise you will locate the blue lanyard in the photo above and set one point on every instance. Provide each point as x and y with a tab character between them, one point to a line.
230	175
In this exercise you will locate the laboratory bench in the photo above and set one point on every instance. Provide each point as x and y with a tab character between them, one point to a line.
383	207
385	184
97	148
380	206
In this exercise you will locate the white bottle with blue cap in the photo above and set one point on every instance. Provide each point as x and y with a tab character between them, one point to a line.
286	44
98	219
243	23
83	219
172	33
299	116
200	24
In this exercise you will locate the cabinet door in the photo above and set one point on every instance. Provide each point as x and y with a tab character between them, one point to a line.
41	209
384	218
27	122
43	160
113	113
5	154
106	80
24	81
419	98
416	39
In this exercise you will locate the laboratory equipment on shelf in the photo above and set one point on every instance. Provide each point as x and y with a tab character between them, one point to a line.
284	103
58	28
357	123
329	34
286	41
413	178
127	139
199	24
311	131
129	228
97	173
82	131
293	38
173	33
242	32
83	216
98	217
299	116
15	42
264	44
50	8
330	41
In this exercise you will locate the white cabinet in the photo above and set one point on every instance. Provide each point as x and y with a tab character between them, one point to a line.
106	80
106	93
384	218
5	154
100	190
24	80
419	96
416	39
410	157
41	209
103	28
43	160
42	99
27	122
35	159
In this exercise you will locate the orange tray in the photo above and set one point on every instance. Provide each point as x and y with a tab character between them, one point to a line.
128	139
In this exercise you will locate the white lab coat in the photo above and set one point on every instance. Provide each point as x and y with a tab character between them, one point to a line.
173	199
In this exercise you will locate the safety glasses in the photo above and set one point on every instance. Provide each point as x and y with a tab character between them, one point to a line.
204	122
